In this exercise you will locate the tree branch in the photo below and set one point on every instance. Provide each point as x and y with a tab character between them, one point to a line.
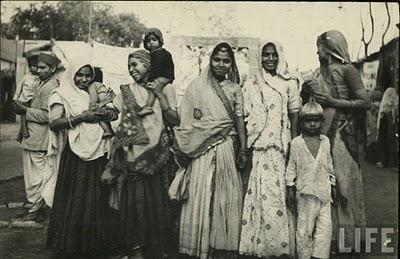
388	24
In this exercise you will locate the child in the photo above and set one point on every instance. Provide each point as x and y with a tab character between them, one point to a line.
100	96
162	66
26	91
310	173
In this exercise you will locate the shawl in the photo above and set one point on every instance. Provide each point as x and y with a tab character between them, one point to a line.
255	106
85	139
205	119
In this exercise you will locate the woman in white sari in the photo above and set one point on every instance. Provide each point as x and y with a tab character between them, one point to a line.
211	121
272	102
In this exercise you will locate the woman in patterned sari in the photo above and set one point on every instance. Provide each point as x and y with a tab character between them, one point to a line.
210	131
272	102
348	96
141	156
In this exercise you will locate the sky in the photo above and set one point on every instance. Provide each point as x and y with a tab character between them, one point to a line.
295	24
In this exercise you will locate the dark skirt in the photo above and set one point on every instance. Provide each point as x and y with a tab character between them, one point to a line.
79	214
148	218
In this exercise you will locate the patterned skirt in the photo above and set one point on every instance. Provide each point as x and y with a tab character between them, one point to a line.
265	227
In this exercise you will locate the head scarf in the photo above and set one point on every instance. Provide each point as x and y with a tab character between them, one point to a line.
335	44
156	32
143	56
48	58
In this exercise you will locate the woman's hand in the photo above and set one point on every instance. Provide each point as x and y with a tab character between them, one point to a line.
19	108
155	86
242	160
324	100
89	116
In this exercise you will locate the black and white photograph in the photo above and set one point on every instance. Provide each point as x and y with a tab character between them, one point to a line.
199	130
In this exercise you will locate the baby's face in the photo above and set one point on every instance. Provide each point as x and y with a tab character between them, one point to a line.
152	42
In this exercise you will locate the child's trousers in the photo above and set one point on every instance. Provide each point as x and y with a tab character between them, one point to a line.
314	227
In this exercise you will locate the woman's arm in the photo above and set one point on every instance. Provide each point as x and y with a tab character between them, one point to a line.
58	122
294	118
360	97
170	115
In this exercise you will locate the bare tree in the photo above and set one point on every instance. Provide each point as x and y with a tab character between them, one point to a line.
366	43
388	24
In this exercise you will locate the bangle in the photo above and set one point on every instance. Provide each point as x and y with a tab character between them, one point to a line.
351	104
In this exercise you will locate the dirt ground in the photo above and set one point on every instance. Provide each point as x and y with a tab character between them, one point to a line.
380	187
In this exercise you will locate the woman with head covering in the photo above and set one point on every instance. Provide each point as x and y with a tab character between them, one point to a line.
210	134
272	103
78	220
141	156
348	96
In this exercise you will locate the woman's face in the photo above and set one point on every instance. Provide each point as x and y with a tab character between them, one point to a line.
221	63
269	58
322	54
83	77
137	69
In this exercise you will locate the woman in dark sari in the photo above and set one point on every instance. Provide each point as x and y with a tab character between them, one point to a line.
78	223
141	157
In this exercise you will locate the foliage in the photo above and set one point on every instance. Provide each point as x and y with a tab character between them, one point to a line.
69	20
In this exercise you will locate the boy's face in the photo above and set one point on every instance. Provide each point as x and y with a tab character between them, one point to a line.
312	125
44	70
152	42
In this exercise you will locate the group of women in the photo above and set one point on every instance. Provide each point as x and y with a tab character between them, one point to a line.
222	135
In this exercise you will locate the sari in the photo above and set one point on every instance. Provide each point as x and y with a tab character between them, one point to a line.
210	217
146	169
265	219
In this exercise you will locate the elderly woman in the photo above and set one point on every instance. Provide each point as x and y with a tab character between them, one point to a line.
347	96
78	222
272	103
210	131
144	161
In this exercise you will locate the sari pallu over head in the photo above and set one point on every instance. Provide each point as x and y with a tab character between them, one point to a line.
206	117
256	108
85	139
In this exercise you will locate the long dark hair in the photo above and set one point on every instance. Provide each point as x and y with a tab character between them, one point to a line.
233	75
